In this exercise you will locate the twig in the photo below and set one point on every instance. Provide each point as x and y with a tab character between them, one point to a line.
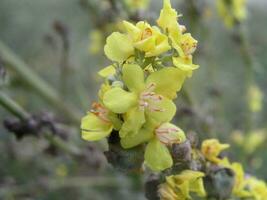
249	63
11	106
41	87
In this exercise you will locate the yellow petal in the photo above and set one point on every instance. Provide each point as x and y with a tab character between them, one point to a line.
133	121
118	100
168	16
133	77
168	81
93	128
157	156
107	71
118	47
142	136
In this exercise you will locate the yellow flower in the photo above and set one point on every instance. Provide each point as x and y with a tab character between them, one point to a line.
179	187
231	11
251	141
244	186
118	47
184	44
147	39
257	188
158	135
96	41
148	97
96	124
239	9
185	64
254	140
168	19
107	71
255	98
137	4
240	182
62	170
237	137
211	149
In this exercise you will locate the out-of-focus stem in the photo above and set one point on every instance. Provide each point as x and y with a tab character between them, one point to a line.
10	105
33	80
249	79
15	109
57	183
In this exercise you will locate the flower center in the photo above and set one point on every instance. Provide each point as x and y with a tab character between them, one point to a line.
168	135
189	47
146	33
148	99
100	111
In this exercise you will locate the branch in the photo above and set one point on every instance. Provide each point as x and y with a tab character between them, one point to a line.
37	84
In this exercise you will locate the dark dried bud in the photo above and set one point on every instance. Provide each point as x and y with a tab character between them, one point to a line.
219	182
182	152
151	187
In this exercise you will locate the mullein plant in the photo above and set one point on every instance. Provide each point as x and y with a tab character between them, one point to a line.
149	66
97	36
218	179
232	11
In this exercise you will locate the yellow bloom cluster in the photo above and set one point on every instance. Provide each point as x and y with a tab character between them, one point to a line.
179	187
188	182
245	186
232	11
150	65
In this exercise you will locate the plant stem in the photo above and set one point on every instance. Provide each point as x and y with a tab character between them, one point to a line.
33	80
249	79
15	109
57	183
10	105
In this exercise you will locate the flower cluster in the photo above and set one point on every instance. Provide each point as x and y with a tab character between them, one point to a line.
232	11
105	27
179	187
150	65
189	182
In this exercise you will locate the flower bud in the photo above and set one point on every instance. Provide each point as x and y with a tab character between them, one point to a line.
169	134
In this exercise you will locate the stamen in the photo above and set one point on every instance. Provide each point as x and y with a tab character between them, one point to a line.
168	134
148	98
146	33
100	111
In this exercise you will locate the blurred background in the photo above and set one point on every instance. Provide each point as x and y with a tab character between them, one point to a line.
50	53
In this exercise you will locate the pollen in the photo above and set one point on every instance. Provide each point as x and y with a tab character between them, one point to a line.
100	111
146	33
